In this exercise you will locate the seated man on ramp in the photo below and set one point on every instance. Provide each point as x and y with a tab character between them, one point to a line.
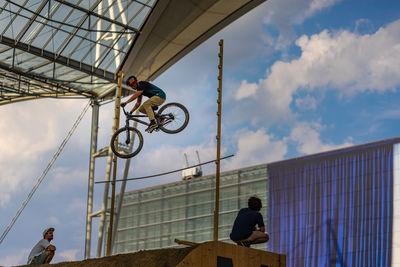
156	98
244	231
43	252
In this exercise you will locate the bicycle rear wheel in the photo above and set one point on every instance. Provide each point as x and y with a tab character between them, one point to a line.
130	142
173	118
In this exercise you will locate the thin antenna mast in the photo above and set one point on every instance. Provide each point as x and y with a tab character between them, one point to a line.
186	160
198	158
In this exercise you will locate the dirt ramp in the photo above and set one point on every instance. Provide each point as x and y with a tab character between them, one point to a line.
220	254
145	258
207	254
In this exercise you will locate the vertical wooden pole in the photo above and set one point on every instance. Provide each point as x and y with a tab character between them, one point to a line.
110	228
216	211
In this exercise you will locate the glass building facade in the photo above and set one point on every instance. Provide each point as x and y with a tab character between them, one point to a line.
153	217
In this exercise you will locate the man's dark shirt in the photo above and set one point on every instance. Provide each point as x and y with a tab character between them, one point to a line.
150	90
244	223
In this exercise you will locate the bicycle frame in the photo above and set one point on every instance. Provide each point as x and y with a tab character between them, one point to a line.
162	118
129	117
135	118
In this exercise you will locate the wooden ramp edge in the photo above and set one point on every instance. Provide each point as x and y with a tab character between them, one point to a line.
220	254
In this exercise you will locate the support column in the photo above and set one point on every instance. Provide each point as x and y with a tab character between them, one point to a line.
93	149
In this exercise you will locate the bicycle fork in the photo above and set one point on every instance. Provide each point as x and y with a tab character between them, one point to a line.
128	133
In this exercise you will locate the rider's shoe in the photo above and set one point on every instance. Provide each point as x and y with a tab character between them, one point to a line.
153	125
243	244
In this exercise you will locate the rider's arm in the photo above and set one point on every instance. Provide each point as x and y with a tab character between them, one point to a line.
134	96
138	102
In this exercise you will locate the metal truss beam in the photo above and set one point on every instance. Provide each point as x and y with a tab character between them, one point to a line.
89	12
103	74
22	86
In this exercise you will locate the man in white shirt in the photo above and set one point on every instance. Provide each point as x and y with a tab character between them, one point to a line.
43	252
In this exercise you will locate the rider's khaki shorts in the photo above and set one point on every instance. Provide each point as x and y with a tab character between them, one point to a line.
151	102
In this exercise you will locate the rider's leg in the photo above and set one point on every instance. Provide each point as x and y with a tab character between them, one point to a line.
147	109
147	106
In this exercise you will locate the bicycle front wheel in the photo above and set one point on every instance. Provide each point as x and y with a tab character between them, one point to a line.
173	118
130	142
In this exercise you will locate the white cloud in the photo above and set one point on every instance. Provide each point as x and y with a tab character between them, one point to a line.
348	62
169	158
29	133
241	44
4	196
318	5
255	147
19	258
64	178
53	220
69	255
307	102
285	13
77	206
363	26
308	138
246	89
252	147
342	61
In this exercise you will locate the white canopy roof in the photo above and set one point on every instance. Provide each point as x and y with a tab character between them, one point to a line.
75	48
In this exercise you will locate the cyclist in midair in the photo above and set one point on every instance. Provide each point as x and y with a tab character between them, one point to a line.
156	98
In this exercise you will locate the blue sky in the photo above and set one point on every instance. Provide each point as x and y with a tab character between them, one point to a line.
299	78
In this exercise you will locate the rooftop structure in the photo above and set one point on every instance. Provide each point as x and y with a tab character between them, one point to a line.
65	48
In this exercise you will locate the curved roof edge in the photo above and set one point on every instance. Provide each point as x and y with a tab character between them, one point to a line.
175	28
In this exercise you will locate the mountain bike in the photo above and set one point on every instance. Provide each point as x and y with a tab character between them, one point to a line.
127	141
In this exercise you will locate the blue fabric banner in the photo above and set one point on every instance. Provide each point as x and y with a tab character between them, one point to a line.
333	209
